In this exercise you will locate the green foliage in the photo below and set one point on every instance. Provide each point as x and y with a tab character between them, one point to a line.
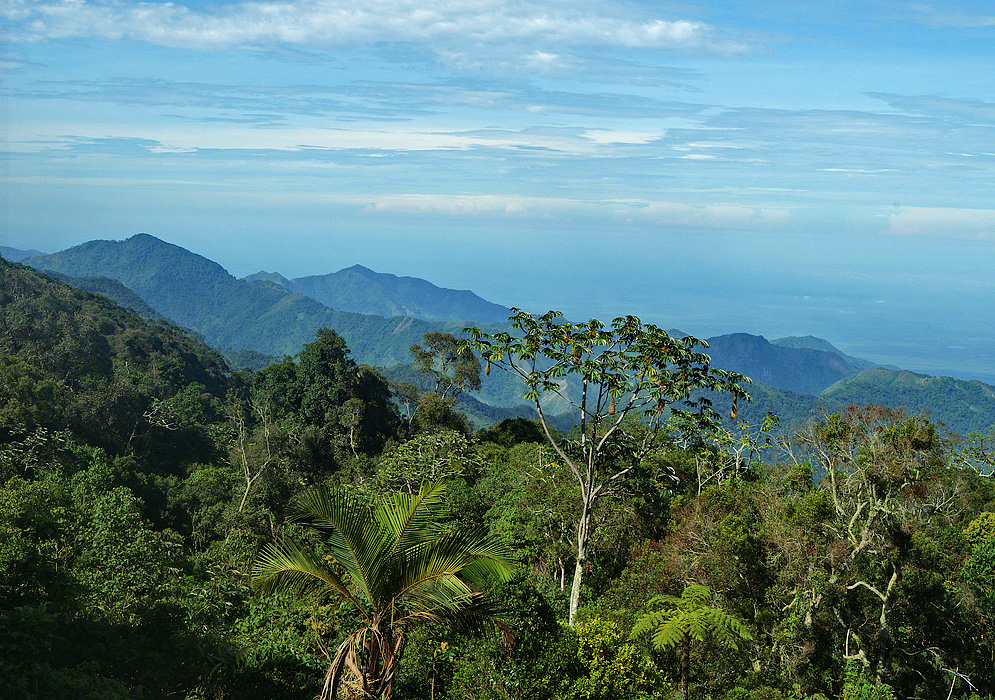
856	685
436	456
980	529
322	410
37	524
633	376
391	562
434	413
978	573
513	431
139	480
689	615
611	667
126	564
452	365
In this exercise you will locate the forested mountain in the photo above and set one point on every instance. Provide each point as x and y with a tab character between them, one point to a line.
801	370
269	316
230	313
149	496
78	360
17	255
364	291
962	406
114	290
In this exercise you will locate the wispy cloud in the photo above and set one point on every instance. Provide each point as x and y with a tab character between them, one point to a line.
948	14
962	110
939	222
348	23
361	99
635	211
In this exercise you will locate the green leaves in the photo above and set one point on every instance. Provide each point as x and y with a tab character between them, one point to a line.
403	569
636	366
689	615
449	362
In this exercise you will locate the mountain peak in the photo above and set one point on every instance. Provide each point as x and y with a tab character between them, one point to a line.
362	290
274	277
362	269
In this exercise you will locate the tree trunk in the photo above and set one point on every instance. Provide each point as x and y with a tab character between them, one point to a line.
685	664
583	532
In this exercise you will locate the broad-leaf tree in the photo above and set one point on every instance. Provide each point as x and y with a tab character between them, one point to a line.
395	565
451	364
627	370
686	618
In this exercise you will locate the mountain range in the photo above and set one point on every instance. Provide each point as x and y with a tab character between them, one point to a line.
266	315
364	291
234	314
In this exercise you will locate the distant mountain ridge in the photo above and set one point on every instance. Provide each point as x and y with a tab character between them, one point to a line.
962	405
813	343
233	314
361	290
802	370
796	377
16	254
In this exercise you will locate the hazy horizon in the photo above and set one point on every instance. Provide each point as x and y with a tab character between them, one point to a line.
771	168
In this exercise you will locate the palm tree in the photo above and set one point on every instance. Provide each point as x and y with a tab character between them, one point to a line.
401	569
686	618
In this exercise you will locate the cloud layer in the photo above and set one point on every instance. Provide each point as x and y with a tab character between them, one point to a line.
453	26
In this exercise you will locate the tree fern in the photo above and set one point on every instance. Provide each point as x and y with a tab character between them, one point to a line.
685	618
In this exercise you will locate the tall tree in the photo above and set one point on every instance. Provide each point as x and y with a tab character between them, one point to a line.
450	363
629	370
884	475
401	569
328	409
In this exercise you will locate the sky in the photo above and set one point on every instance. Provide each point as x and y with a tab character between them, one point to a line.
777	168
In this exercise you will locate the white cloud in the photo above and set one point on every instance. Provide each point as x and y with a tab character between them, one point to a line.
942	222
642	212
471	205
335	23
712	216
863	171
605	136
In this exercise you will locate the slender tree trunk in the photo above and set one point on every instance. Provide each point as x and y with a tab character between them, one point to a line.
685	664
583	532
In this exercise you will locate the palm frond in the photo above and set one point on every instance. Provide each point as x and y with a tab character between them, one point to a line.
408	519
444	573
287	565
356	545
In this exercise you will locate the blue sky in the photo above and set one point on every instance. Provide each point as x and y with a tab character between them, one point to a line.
779	168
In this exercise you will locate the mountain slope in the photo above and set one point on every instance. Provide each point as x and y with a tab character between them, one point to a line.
112	289
72	359
813	343
361	290
231	313
963	406
802	370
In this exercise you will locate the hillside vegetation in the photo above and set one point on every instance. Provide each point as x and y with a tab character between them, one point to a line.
254	322
149	494
230	313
